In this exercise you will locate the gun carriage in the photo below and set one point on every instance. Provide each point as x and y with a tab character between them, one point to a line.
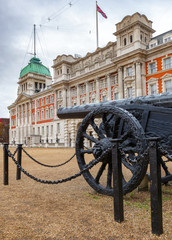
132	121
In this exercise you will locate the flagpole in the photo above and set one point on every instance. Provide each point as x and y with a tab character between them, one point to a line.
97	35
34	40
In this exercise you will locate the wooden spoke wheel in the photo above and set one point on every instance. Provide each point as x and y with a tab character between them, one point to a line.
94	137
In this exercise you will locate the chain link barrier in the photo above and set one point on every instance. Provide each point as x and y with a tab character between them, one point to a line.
86	168
164	153
15	152
138	158
46	165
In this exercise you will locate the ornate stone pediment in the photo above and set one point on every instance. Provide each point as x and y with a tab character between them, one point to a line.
22	98
167	75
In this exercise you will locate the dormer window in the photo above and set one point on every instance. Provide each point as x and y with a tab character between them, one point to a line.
167	39
153	45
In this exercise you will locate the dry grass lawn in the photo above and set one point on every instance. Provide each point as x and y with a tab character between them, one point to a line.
72	210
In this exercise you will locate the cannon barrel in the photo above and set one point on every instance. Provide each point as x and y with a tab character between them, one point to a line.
161	100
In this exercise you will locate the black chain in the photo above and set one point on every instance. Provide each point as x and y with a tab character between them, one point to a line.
137	159
45	165
165	153
15	152
86	168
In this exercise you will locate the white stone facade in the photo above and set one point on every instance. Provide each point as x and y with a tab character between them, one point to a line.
119	70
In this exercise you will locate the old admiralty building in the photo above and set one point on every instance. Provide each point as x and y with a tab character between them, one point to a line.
135	64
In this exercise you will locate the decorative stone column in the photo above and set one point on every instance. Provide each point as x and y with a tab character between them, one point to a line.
66	133
78	95
87	92
73	134
30	119
64	98
97	90
69	98
120	83
55	104
138	80
109	87
18	124
143	78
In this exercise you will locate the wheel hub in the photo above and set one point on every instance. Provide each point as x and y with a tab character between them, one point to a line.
100	147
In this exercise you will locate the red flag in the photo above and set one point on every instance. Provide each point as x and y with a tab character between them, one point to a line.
100	11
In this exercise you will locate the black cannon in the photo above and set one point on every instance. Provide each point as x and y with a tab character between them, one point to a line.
133	121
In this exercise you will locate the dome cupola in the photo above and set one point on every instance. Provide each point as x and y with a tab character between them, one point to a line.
35	66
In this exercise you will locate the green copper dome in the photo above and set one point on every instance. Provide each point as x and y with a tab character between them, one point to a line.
35	66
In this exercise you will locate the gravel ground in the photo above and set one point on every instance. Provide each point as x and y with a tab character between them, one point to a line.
72	210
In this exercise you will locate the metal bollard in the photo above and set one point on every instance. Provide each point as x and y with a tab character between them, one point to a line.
19	160
117	182
155	187
5	164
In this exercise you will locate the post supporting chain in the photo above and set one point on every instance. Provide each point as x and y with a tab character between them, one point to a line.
5	163
117	181
19	160
155	187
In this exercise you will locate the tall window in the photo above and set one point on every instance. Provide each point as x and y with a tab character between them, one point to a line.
33	117
83	89
58	127
38	115
60	94
129	92
104	99
167	63
42	115
116	96
51	130
36	85
153	89
47	100
47	130
129	71
152	68
92	86
43	131
33	104
103	83
52	99
168	86
125	41
42	101
47	114
51	113
131	38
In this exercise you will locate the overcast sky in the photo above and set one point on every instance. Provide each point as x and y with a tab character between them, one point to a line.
62	28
